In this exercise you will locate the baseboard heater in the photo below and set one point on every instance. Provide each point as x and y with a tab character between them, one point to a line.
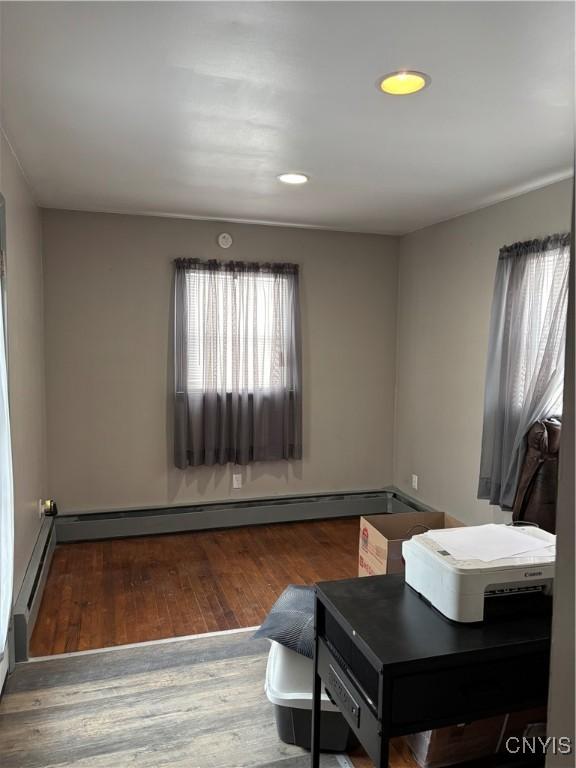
196	517
30	595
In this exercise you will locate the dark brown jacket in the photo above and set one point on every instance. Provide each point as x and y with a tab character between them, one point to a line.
535	500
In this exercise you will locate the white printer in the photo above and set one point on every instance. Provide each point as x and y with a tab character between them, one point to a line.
458	569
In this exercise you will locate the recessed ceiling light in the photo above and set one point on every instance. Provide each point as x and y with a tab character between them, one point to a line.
403	82
293	178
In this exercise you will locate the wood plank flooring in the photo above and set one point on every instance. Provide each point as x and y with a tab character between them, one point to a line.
118	591
182	704
191	703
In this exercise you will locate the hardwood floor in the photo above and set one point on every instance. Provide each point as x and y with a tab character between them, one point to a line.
106	593
400	756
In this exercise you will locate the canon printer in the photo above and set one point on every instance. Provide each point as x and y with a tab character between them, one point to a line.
457	574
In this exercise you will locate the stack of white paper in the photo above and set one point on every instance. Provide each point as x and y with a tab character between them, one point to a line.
486	542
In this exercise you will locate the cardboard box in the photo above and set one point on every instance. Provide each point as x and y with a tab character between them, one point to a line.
461	743
381	537
456	744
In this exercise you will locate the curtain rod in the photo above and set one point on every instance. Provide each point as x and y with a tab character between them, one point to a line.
527	247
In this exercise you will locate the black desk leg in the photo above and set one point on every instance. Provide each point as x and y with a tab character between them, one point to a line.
316	701
384	751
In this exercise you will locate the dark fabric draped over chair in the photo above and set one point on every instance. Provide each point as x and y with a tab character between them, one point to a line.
237	355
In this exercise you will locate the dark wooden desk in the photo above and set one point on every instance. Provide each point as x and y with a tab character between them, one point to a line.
394	665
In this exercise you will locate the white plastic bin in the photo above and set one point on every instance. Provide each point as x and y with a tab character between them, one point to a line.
289	680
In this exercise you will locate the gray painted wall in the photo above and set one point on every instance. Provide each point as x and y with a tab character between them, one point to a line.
446	281
108	289
26	379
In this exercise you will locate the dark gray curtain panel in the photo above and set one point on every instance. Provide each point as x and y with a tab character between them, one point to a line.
525	370
237	356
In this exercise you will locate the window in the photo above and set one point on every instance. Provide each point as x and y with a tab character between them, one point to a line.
237	330
237	362
525	372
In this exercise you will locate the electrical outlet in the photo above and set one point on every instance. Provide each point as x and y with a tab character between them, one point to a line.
236	480
415	482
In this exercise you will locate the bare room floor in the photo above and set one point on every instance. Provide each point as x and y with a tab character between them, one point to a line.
106	593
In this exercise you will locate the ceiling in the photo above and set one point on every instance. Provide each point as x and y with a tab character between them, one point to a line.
192	109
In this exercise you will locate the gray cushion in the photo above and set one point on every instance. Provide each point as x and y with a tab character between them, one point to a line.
291	620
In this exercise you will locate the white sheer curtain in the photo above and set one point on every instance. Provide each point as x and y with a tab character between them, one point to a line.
525	372
237	356
6	499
